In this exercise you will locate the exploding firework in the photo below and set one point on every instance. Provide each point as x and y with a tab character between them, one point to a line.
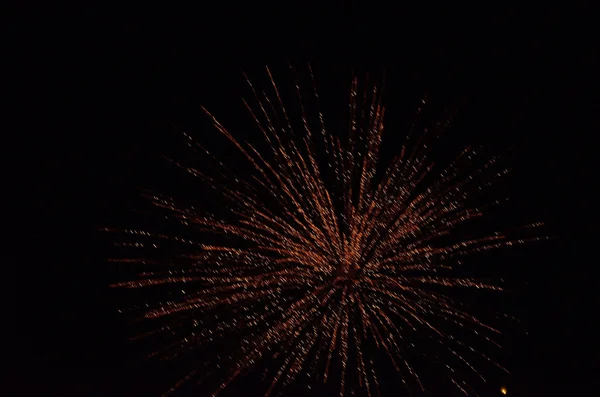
323	256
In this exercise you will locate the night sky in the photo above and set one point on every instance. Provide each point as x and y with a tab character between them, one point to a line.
105	93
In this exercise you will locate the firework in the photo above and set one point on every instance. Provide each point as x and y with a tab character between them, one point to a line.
323	257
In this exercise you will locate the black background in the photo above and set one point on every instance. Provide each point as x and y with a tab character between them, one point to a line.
100	90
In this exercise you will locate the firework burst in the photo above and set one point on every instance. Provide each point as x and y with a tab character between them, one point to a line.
325	258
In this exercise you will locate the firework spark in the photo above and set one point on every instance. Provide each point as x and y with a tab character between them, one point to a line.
326	257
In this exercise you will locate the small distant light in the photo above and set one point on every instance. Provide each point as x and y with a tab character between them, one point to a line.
503	390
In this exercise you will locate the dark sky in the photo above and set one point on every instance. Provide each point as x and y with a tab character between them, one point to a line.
105	90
